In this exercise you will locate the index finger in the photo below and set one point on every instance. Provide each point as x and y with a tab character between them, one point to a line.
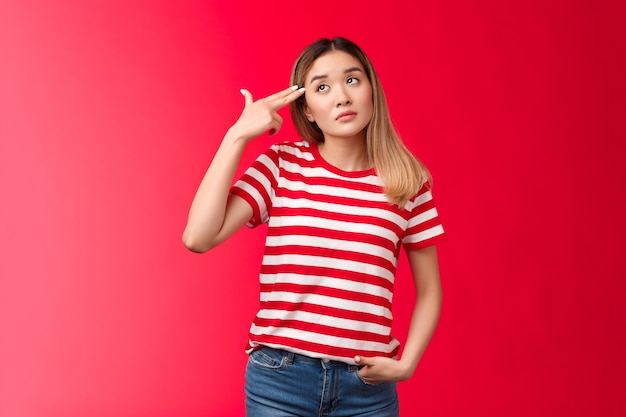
283	98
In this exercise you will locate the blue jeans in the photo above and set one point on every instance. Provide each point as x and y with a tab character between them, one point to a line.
284	384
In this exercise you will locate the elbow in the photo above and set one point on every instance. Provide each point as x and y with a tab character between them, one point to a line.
193	247
195	244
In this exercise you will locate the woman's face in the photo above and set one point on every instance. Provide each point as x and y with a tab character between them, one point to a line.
338	96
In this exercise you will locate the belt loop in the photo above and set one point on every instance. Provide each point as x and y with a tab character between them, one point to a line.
289	356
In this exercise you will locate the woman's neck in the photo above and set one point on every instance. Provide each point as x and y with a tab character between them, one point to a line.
345	154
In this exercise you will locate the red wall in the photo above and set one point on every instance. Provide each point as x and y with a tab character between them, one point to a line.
110	112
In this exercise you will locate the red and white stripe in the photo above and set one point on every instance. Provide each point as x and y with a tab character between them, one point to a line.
331	253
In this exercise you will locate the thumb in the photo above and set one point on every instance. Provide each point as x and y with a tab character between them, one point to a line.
360	360
247	95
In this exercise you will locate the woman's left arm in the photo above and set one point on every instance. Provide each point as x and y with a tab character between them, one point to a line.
425	269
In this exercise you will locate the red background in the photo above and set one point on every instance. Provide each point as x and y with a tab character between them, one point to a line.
111	111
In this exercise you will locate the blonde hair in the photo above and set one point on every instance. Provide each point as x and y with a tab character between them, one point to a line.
402	174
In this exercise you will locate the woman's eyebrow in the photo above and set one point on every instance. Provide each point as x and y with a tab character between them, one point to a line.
353	69
348	71
317	77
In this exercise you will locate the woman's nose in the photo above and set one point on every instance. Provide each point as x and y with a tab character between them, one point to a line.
342	97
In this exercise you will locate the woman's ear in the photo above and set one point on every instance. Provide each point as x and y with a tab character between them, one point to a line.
308	114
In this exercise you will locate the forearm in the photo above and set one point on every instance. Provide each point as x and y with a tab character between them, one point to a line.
207	211
423	323
212	218
425	270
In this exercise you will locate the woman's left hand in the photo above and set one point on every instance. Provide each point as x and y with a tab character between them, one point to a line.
379	369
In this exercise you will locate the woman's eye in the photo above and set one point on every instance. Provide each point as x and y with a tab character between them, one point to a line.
322	88
352	80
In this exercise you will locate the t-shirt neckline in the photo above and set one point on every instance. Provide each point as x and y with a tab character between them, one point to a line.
330	167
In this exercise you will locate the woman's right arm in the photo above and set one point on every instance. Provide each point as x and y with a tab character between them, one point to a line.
214	214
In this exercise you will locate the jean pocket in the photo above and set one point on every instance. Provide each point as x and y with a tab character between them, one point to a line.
364	382
267	358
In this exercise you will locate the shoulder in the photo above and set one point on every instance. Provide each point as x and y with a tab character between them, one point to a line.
423	198
292	146
291	150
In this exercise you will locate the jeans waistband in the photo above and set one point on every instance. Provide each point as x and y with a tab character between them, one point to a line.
296	357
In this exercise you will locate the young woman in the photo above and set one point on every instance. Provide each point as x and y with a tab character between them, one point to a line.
339	202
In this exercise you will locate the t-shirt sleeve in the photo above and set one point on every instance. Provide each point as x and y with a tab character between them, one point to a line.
257	185
424	227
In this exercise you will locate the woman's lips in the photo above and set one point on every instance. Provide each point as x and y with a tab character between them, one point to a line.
346	116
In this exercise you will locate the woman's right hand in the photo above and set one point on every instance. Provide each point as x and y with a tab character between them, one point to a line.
213	217
262	115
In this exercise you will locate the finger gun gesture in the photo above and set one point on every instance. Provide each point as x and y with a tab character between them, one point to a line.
262	115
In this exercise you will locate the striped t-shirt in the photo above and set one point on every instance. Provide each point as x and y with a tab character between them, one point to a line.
331	253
